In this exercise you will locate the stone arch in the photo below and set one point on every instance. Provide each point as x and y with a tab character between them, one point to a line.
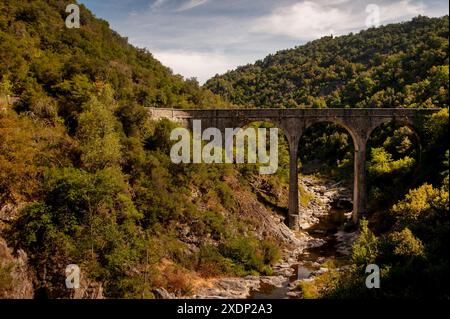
417	145
245	122
354	135
359	171
404	121
291	136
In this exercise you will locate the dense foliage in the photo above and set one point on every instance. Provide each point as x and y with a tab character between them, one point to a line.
399	65
412	256
89	176
90	179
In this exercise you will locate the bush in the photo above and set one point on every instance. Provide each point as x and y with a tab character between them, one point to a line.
405	244
212	263
271	251
365	249
249	255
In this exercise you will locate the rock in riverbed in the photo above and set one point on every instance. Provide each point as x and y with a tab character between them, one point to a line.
234	287
294	294
276	281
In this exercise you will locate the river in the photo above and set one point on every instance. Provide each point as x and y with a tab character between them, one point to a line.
312	258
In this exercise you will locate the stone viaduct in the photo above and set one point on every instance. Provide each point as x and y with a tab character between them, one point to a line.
359	123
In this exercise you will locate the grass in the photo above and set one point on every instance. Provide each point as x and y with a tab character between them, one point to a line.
314	289
305	196
6	280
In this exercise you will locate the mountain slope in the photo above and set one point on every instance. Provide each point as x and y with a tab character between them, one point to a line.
45	62
86	177
398	65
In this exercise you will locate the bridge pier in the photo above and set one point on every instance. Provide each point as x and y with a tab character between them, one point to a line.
359	185
293	211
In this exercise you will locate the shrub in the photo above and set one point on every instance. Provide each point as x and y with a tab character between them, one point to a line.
271	251
405	244
248	254
212	263
365	249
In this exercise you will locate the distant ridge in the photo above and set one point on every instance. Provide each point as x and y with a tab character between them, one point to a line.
398	65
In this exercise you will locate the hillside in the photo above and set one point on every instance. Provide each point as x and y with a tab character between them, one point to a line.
398	65
52	68
401	65
86	177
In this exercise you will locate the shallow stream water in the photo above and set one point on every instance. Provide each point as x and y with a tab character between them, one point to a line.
312	258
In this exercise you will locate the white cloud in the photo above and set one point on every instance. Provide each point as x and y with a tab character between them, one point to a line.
225	34
202	65
191	4
401	10
157	4
301	20
310	20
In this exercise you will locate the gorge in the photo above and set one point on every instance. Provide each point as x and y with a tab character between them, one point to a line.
86	176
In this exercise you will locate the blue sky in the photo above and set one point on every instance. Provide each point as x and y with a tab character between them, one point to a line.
201	38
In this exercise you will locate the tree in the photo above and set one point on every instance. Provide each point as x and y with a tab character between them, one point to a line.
365	249
5	87
99	141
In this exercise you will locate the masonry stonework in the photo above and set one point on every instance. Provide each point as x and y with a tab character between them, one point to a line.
359	123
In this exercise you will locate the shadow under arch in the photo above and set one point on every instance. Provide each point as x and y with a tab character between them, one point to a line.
399	122
395	180
327	152
337	122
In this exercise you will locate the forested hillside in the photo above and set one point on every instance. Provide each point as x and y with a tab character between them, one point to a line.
399	65
403	65
53	68
86	177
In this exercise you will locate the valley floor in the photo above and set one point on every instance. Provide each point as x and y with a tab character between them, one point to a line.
320	240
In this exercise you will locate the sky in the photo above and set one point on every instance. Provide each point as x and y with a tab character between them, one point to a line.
201	38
